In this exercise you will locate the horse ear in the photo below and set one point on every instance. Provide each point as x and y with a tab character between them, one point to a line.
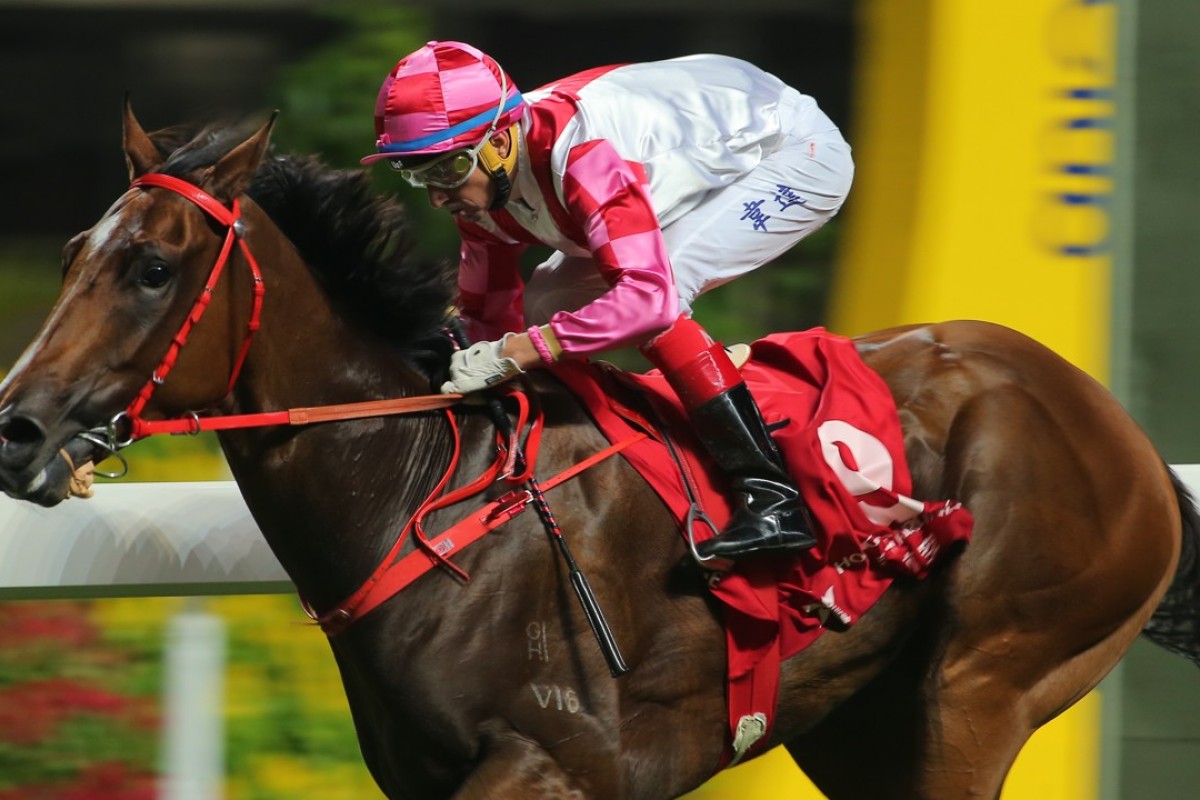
141	155
232	174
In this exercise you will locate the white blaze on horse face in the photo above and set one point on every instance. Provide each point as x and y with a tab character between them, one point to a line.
104	238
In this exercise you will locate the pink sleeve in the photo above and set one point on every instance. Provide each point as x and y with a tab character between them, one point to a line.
609	199
490	289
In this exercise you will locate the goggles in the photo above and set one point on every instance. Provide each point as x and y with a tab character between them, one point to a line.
449	172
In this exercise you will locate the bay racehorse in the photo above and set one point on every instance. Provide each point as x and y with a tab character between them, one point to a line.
494	687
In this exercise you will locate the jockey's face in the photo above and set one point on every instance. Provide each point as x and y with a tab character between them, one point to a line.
475	196
469	201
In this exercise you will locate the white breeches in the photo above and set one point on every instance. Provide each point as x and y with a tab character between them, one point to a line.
735	229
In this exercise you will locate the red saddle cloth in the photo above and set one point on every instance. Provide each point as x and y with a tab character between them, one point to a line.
836	424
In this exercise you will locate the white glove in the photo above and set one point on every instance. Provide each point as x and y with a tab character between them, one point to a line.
478	367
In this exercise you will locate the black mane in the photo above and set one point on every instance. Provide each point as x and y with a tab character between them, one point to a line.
356	241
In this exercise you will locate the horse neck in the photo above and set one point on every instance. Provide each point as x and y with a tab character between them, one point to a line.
307	351
329	498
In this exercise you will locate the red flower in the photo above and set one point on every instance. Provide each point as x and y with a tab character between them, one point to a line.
26	623
32	711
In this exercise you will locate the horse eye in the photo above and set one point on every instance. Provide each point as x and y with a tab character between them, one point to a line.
155	276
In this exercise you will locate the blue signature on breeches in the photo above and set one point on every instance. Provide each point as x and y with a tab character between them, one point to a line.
785	197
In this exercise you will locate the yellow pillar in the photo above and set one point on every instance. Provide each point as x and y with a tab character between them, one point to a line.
984	150
983	147
771	775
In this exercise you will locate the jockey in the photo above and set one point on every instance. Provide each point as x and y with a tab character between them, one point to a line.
653	183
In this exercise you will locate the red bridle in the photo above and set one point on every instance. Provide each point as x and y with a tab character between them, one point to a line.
234	230
192	423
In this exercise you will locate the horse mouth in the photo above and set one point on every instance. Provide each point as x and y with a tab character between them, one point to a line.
47	483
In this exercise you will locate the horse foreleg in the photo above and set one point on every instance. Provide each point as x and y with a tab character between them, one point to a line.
517	768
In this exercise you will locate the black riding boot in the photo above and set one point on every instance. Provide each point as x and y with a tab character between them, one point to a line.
769	517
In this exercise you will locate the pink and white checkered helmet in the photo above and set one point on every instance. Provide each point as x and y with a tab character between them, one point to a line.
442	97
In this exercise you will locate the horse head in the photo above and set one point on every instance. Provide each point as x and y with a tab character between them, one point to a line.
130	286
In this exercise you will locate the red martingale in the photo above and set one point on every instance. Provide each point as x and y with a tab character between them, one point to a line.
392	576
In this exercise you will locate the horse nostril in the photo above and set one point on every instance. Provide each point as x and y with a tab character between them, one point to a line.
21	431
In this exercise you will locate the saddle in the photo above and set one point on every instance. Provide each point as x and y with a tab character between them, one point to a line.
837	428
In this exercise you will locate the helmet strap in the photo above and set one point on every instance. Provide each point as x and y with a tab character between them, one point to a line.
503	189
500	168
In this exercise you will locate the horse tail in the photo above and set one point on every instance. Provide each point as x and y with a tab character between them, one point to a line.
1175	624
